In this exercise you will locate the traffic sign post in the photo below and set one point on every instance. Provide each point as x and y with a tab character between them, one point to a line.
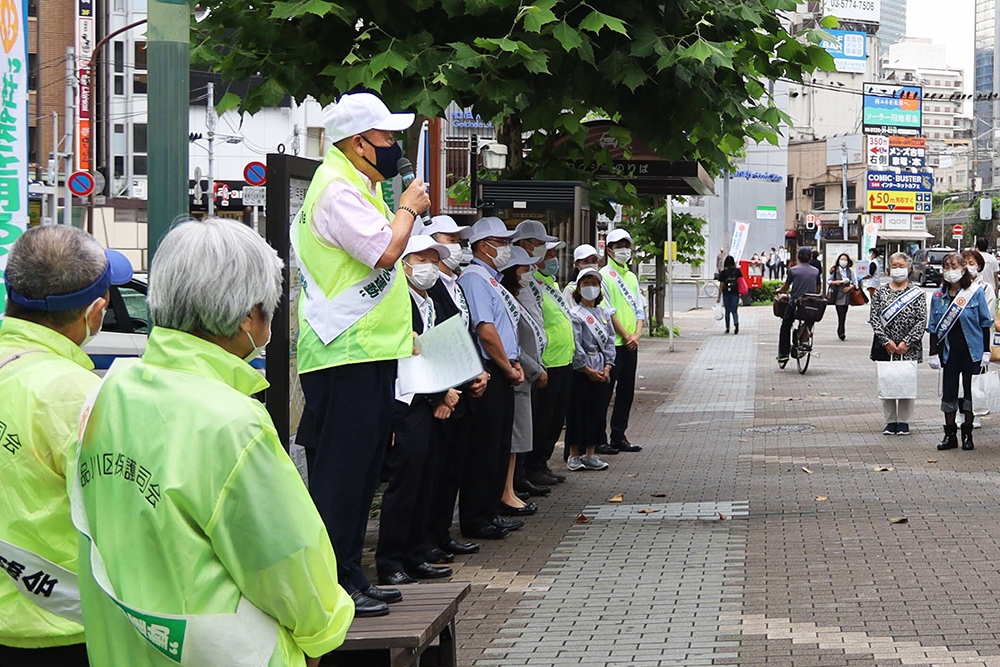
956	231
255	173
81	183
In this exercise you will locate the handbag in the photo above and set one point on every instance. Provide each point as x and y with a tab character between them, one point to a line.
858	297
779	306
742	287
719	312
986	393
896	379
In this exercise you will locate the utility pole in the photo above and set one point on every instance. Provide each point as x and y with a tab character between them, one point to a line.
975	149
68	147
843	190
725	210
211	122
670	265
168	42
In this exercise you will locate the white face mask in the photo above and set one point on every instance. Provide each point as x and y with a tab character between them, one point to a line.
503	255
466	256
538	253
524	278
953	275
623	255
843	263
455	260
90	335
973	270
423	275
257	349
590	292
588	265
899	275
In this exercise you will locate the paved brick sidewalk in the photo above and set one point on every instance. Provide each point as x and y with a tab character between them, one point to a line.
786	579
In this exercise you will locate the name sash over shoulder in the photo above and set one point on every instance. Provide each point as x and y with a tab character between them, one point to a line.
513	307
900	304
630	298
954	311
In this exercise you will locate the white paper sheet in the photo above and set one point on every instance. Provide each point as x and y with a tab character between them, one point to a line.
448	358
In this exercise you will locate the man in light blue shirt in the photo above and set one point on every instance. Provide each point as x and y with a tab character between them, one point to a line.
494	314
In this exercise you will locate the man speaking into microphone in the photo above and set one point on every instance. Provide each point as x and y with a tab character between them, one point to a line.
354	324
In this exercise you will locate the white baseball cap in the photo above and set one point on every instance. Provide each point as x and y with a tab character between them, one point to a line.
619	234
583	251
589	272
421	243
518	257
442	224
533	229
555	245
485	228
359	112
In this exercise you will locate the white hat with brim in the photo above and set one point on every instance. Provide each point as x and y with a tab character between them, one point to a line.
355	113
533	229
486	228
519	257
588	272
555	245
442	224
422	242
583	251
616	235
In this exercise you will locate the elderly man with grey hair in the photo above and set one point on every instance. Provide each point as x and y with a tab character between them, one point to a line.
207	518
57	280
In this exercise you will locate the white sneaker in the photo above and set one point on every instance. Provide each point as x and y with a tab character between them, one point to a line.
593	463
976	423
574	463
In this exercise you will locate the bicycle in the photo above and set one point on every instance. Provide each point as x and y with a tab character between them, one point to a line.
802	344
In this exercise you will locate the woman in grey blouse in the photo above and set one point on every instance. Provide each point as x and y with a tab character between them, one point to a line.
592	361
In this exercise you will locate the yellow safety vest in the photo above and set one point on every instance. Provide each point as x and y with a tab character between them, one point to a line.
625	313
385	332
558	327
43	391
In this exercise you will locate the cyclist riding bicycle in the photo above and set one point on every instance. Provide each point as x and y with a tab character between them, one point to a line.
802	279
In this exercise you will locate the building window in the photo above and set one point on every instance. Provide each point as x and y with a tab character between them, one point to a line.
314	141
852	195
119	67
139	165
937	121
139	149
819	197
32	71
140	81
937	135
790	188
32	7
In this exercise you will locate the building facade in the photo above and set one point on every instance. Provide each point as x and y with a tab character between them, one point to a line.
893	25
985	111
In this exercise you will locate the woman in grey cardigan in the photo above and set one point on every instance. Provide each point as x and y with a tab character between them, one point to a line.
592	362
531	340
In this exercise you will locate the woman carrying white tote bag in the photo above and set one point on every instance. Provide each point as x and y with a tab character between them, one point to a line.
898	319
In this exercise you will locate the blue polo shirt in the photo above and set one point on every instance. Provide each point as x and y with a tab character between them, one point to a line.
485	305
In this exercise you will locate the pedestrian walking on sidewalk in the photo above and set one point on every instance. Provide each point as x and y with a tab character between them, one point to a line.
959	325
729	291
874	279
842	282
592	363
899	319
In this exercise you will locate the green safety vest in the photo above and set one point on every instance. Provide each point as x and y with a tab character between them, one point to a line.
43	391
386	331
558	327
625	314
197	510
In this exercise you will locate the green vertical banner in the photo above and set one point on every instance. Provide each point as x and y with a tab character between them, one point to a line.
13	131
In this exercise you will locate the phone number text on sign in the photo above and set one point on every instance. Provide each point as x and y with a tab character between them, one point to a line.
854	10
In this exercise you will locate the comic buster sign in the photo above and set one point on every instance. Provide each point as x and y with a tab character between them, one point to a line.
13	129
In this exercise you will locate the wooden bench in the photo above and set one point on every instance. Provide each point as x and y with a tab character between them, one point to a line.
405	638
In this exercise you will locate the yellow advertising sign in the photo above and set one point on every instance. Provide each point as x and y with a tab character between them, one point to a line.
670	250
896	201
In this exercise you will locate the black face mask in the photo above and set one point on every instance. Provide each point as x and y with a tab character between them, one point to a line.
385	158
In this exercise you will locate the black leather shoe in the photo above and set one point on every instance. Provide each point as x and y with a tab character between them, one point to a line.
558	477
605	450
623	445
428	571
506	510
950	440
366	607
509	524
395	579
539	478
490	532
524	486
967	444
523	497
460	548
439	557
387	595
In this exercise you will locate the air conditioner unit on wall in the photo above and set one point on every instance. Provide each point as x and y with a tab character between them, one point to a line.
800	216
808	192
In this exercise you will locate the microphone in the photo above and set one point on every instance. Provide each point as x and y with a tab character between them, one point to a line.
405	169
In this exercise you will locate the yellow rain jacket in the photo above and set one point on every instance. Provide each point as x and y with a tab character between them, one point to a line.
193	503
41	394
